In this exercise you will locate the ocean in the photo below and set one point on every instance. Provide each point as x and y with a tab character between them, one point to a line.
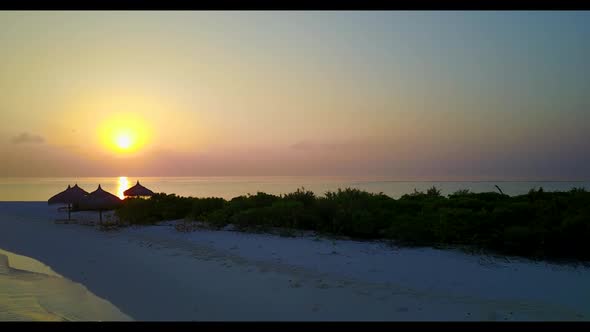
41	189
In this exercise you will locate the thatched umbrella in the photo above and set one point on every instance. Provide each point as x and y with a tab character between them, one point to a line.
138	190
100	200
57	198
70	196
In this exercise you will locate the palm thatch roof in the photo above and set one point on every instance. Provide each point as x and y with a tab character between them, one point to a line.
138	190
72	195
100	200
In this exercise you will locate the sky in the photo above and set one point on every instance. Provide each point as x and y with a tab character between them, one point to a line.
407	95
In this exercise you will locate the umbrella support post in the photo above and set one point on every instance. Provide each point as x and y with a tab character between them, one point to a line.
69	211
100	215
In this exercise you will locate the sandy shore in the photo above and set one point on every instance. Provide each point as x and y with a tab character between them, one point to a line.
157	273
32	291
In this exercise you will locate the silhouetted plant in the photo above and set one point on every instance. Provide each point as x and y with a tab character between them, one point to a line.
460	193
203	206
301	195
433	192
537	224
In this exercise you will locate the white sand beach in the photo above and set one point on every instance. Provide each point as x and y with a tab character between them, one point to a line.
157	273
32	291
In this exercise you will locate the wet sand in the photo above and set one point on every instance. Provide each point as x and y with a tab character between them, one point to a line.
31	291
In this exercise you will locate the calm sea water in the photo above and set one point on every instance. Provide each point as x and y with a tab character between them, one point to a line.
40	189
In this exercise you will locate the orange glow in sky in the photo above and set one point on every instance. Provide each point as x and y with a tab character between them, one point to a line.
124	133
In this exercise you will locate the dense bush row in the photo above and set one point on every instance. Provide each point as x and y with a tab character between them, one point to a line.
538	224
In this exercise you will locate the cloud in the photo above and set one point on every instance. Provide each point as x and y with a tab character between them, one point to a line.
302	146
307	145
27	138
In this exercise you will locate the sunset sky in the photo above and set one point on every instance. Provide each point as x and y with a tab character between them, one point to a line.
407	95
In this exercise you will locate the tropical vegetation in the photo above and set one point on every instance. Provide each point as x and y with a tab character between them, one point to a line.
538	224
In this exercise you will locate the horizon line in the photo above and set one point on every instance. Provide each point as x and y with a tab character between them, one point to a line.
300	176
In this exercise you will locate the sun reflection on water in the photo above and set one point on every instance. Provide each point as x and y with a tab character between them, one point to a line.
122	185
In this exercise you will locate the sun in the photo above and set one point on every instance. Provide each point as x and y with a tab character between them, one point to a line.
124	135
124	141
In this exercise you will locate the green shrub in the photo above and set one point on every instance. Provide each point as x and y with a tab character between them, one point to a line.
204	206
218	218
306	197
460	193
259	219
137	211
539	223
433	192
